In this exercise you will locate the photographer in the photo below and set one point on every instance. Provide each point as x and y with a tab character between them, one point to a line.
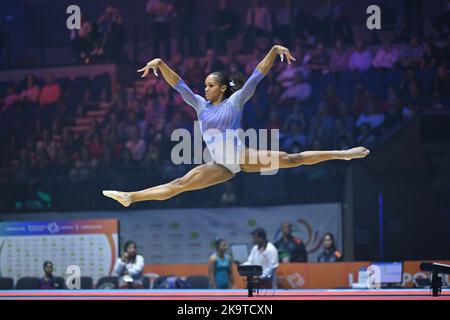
130	267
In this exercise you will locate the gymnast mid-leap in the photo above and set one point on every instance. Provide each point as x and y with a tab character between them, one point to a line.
221	110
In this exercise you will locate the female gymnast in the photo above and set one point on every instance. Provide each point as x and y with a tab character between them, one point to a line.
221	109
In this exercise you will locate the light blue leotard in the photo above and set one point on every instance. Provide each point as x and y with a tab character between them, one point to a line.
221	118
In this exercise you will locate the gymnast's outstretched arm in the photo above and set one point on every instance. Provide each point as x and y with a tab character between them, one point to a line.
240	97
158	64
266	63
175	82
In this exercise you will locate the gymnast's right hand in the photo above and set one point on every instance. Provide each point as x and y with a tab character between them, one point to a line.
154	64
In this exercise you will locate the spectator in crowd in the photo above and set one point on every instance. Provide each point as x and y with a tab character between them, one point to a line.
82	40
366	136
233	64
429	57
84	164
258	23
48	99
219	267
361	58
370	116
414	99
110	35
286	18
290	248
136	144
386	57
392	97
330	252
294	135
48	281
319	60
10	99
129	267
31	93
441	88
412	54
264	254
212	63
224	28
160	13
298	92
325	20
339	58
184	13
228	197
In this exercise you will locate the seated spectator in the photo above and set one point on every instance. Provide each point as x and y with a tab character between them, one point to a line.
286	17
228	197
48	281
84	164
339	58
129	267
233	65
429	57
343	139
219	267
295	115
160	12
370	116
392	97
386	57
212	63
258	23
264	254
136	144
96	146
441	88
298	92
295	134
408	77
362	98
412	54
319	60
10	99
330	253
366	136
393	115
224	29
361	58
290	248
414	98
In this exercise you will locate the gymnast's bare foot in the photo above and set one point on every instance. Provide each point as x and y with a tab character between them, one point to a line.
121	197
354	153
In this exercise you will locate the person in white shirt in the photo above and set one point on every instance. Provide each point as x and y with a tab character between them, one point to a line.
130	267
386	57
264	254
299	91
361	58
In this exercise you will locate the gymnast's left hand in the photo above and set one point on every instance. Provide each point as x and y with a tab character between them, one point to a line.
154	64
284	51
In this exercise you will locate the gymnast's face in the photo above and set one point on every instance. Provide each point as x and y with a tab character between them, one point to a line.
213	90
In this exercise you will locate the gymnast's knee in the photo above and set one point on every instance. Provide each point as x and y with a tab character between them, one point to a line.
292	159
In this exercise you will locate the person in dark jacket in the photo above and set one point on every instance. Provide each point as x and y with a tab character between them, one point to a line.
290	248
330	253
